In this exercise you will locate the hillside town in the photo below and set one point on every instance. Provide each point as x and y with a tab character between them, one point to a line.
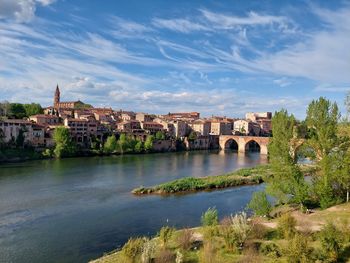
87	124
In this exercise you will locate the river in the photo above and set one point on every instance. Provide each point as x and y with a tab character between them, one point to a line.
74	210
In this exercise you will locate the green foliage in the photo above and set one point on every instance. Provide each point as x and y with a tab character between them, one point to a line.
286	226
192	136
160	135
331	241
63	144
287	182
133	249
210	217
235	231
110	145
148	251
123	143
270	249
33	109
20	138
47	153
165	234
149	143
259	204
138	146
17	111
184	239
298	250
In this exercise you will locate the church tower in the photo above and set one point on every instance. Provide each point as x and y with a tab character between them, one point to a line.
56	100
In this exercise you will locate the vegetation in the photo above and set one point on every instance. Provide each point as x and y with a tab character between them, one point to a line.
64	146
210	217
260	204
19	110
244	176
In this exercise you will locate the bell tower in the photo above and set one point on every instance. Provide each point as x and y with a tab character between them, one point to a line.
56	100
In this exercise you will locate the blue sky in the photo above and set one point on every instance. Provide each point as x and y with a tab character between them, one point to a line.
215	57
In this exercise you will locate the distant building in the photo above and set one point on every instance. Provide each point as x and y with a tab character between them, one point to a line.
140	116
247	127
201	126
45	119
152	127
221	127
186	116
57	104
81	130
263	119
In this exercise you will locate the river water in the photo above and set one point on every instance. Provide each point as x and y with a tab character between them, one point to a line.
74	210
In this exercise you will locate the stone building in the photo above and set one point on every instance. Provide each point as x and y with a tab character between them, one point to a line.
221	127
81	130
140	116
45	119
57	104
201	126
151	127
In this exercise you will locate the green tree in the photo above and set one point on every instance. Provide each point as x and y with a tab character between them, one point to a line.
33	109
192	136
64	145
210	217
17	111
20	138
138	146
149	143
123	143
259	204
286	226
160	135
165	234
287	182
110	145
331	241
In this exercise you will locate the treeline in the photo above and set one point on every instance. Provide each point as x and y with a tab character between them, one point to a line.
19	110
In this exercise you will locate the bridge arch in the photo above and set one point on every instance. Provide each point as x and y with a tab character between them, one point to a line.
231	144
242	142
252	145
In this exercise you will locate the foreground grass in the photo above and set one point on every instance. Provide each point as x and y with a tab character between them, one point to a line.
264	235
245	176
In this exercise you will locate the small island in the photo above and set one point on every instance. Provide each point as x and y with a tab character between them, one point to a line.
244	176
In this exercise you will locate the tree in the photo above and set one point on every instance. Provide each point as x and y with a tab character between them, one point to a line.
63	143
33	109
287	182
210	217
110	145
123	143
17	111
149	143
259	204
331	241
192	136
138	146
160	135
20	138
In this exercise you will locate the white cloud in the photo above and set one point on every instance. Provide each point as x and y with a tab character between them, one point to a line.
230	21
282	82
20	10
179	25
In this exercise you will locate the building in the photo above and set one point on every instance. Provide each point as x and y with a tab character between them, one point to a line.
129	126
247	127
186	116
201	126
57	104
81	130
264	119
221	127
140	116
45	119
151	127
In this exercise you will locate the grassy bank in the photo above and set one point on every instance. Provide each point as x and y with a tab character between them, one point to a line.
245	176
305	239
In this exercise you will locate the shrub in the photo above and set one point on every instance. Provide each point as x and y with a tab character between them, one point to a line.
165	234
210	217
148	251
258	231
270	249
297	250
235	231
286	226
259	204
184	239
133	248
331	241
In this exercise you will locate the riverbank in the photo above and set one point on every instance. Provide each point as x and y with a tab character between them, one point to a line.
244	176
265	240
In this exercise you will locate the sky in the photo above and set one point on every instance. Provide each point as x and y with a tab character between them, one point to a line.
160	56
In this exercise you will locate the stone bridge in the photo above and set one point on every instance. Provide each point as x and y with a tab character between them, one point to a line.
243	141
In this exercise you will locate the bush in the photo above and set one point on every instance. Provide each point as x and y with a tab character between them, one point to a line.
184	239
259	204
235	230
331	242
208	253
258	231
165	234
270	249
148	251
133	248
210	217
297	250
286	226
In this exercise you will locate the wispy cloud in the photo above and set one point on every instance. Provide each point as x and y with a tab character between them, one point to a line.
179	24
